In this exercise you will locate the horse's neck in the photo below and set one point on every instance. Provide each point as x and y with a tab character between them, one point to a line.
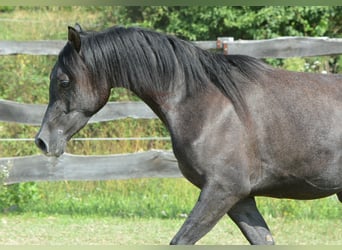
177	109
162	102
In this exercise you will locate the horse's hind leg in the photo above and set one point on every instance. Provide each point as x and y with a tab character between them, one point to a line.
339	195
246	215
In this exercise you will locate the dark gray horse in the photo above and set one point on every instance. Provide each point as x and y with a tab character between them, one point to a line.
239	128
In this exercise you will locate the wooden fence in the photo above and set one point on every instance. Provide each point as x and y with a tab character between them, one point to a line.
281	47
154	163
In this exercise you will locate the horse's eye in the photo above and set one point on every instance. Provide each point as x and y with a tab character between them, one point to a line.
64	83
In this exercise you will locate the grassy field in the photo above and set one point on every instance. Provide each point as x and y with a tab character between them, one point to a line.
143	198
149	212
65	230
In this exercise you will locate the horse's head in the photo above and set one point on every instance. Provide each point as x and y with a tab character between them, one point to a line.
75	95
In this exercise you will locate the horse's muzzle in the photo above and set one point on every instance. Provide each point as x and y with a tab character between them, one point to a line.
50	149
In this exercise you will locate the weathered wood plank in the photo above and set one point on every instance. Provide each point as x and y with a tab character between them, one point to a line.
284	47
32	114
21	112
48	47
281	47
121	110
154	163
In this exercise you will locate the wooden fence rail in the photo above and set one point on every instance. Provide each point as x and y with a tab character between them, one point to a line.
145	164
154	163
32	114
281	47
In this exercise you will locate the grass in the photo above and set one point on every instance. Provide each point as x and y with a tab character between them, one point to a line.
46	22
143	198
65	230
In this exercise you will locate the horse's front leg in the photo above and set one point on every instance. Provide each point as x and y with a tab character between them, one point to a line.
214	202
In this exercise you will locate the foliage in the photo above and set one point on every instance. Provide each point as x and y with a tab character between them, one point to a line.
240	22
322	64
6	9
15	197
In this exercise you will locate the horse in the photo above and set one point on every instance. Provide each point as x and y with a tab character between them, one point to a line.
239	127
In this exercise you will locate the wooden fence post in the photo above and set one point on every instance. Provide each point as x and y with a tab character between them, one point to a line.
222	43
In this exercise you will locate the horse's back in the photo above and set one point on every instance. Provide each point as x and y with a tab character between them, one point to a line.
298	123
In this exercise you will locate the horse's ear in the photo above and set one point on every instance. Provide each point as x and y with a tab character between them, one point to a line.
74	38
78	28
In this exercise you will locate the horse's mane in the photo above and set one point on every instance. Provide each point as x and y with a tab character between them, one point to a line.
137	58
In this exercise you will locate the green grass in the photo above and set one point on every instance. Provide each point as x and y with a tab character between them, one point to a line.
66	230
143	198
46	22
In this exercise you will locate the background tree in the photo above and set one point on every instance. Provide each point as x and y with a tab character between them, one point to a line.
240	22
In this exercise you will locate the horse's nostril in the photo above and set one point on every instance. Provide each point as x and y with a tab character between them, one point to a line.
42	145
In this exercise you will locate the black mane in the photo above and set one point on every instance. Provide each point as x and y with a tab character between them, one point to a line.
141	59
